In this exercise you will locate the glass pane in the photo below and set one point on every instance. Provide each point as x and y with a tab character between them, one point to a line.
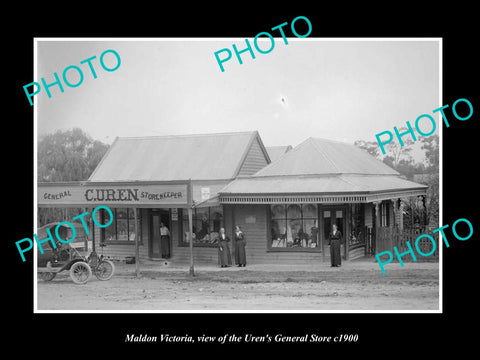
278	211
278	231
310	211
201	224
110	233
202	213
186	230
339	214
216	219
214	236
339	222
121	213
131	229
294	211
310	237
201	227
294	229
122	229
326	214
357	235
327	227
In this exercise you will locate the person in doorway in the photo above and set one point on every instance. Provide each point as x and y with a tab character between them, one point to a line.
224	256
164	241
240	242
335	240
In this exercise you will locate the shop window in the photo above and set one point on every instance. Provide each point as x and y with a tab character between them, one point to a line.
385	214
122	228
357	234
294	226
206	226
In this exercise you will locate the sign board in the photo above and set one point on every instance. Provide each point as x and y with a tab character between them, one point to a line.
251	219
205	193
174	214
90	194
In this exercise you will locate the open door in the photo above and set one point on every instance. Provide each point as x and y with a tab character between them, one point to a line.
154	243
333	215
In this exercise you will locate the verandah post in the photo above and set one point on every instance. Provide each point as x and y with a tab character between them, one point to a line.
137	252
190	225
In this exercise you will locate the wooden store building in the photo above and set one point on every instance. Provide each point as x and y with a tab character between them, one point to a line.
285	199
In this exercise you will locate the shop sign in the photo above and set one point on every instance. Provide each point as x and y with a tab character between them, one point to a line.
205	193
90	194
252	219
174	214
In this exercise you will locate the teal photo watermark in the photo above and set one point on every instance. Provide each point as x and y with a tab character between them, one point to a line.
50	238
410	251
429	120
67	75
226	53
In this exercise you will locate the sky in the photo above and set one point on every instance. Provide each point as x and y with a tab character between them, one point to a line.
338	89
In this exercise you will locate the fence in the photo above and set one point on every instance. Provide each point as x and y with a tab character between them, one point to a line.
385	238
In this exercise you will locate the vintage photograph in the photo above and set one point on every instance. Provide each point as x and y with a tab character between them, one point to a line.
259	188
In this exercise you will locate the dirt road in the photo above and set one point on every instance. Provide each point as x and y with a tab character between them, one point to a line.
357	285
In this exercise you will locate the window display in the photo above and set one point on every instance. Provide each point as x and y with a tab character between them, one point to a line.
123	227
357	234
206	226
294	226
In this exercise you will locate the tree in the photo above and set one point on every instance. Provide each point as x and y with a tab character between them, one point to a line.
395	153
69	155
398	157
431	146
369	146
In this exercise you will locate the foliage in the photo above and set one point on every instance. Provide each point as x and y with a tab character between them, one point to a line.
69	155
426	172
369	146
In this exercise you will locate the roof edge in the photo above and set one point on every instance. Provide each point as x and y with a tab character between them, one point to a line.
153	137
255	135
103	159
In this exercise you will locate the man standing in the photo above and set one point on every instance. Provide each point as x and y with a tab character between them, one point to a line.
164	241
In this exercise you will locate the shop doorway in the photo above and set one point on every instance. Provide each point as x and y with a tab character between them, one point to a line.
157	216
333	215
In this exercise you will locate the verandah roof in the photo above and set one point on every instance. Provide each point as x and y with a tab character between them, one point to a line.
317	156
335	184
322	170
318	189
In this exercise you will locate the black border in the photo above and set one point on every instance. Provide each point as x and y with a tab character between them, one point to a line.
403	333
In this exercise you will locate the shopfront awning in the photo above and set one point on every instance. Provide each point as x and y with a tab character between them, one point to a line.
115	194
319	189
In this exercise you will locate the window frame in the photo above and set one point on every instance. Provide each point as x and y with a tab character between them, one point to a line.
285	218
195	218
385	214
130	227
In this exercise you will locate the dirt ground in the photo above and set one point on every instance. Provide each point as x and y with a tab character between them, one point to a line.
357	285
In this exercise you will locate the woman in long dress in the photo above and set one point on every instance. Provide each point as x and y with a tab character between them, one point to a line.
224	256
240	242
335	241
164	241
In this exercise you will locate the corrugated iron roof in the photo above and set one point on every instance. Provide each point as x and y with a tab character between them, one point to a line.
317	156
320	166
319	184
182	157
274	152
